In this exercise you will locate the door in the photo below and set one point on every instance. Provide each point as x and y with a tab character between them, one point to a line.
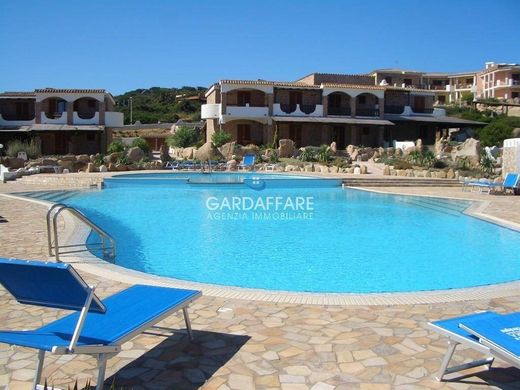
244	134
295	133
295	97
243	98
418	104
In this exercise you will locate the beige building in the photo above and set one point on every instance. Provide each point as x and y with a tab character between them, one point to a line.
499	81
321	108
65	120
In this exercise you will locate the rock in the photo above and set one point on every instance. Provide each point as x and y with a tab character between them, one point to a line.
51	161
441	175
409	150
66	164
14	162
350	170
134	154
103	168
469	148
165	153
68	157
112	157
364	169
350	149
354	155
334	169
84	158
418	144
333	148
231	165
188	153
364	156
116	167
79	166
91	167
428	174
228	150
516	133
285	148
398	152
386	171
308	168
390	151
450	174
208	151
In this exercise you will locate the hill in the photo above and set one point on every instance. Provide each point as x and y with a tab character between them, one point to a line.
160	104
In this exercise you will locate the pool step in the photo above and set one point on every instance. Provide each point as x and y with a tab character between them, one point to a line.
400	182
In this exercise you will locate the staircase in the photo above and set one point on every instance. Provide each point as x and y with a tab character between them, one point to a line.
399	182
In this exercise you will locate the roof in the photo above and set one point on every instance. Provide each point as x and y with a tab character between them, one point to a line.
270	83
395	70
17	94
356	86
352	121
47	127
439	120
68	90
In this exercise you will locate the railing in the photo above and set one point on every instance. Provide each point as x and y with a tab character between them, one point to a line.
394	109
367	112
54	212
339	111
288	108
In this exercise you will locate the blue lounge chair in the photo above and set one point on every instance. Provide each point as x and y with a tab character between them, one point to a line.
100	327
248	161
510	182
490	333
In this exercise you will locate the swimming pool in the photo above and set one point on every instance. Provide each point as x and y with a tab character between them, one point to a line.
342	241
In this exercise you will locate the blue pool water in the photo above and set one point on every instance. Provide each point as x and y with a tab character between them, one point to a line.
351	241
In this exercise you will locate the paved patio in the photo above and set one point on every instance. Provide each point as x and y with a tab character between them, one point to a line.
243	344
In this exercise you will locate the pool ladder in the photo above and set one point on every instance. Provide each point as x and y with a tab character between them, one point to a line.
52	234
209	168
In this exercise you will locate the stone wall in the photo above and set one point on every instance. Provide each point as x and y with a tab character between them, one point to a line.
511	156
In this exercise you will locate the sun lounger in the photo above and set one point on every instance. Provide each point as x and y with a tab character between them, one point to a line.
248	161
511	182
490	333
98	328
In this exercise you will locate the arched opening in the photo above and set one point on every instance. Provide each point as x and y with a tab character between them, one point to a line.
54	107
338	104
86	107
367	104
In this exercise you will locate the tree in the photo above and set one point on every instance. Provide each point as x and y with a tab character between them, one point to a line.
467	97
220	138
184	137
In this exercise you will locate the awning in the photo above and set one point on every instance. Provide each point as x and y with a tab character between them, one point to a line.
348	121
435	120
45	127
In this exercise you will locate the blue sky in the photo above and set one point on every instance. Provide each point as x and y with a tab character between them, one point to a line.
126	44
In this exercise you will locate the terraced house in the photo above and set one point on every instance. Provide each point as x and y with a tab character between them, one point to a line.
371	110
65	120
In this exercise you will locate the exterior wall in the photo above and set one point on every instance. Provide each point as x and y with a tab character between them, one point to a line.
258	131
511	156
213	97
326	78
398	78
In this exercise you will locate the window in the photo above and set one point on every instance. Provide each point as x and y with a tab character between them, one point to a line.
362	99
243	98
407	82
388	79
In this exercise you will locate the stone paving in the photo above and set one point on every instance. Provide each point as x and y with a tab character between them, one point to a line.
243	344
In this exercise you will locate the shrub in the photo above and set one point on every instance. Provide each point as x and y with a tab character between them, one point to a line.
220	138
32	147
123	159
467	97
306	155
340	163
463	163
141	144
402	164
439	164
116	147
323	154
273	158
486	164
496	132
183	137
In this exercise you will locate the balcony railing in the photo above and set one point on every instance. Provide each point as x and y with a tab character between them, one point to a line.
367	112
339	111
15	122
297	109
247	111
288	108
390	109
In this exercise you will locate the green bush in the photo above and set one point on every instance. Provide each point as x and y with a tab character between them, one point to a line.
323	154
307	155
141	144
183	137
498	130
273	158
340	163
115	147
32	147
467	97
220	138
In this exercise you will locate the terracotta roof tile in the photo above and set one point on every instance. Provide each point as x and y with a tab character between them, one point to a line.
16	94
68	90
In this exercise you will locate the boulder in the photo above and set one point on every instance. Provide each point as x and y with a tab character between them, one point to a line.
103	168
428	174
469	148
188	153
285	148
350	149
333	148
52	161
364	169
516	133
409	150
14	162
450	174
78	166
66	164
231	165
135	154
334	169
418	144
309	168
441	175
228	150
68	157
91	168
386	171
208	151
112	158
84	158
354	155
390	151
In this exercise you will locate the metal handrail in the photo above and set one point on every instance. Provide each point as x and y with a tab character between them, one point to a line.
78	214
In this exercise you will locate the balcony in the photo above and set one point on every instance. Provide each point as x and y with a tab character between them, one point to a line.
340	111
297	109
210	111
507	83
114	119
247	111
8	120
367	112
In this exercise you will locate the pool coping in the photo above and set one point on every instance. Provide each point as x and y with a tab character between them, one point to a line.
87	262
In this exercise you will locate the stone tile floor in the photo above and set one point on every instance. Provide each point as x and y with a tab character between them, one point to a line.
247	344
